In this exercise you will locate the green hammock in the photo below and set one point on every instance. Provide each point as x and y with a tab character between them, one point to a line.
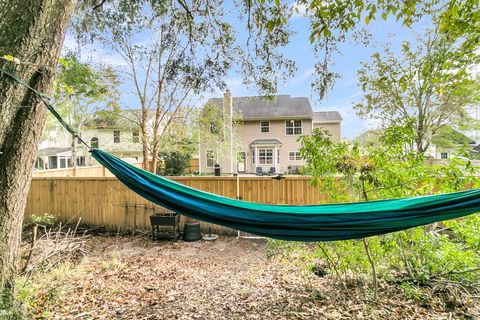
301	223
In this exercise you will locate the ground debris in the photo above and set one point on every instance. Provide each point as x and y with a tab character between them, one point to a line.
135	278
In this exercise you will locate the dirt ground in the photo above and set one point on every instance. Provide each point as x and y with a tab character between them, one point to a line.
136	278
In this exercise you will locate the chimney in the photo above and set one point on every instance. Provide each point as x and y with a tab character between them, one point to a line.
228	123
227	112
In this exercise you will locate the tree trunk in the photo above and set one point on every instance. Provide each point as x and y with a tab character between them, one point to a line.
32	31
74	153
143	128
156	140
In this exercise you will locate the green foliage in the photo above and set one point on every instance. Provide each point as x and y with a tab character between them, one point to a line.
47	288
81	91
386	168
45	219
428	83
176	158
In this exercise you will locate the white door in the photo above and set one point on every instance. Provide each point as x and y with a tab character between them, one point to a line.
241	162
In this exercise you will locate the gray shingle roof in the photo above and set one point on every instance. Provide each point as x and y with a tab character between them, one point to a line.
51	151
281	106
265	142
327	116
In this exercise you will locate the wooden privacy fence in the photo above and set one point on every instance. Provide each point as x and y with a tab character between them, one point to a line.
90	171
105	201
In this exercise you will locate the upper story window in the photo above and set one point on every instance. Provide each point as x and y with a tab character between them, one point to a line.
293	127
214	127
444	155
265	126
94	143
135	137
116	136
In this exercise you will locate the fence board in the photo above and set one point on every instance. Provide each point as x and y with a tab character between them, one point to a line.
104	201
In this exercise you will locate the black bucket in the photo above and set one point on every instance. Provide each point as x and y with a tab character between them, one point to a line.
191	231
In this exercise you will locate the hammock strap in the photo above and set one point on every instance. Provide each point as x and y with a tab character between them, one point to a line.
45	99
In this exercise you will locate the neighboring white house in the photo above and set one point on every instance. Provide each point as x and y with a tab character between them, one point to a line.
119	137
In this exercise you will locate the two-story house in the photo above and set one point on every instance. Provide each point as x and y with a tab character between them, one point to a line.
269	132
119	136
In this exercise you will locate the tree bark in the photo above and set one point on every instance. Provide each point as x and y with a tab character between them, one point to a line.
144	130
33	32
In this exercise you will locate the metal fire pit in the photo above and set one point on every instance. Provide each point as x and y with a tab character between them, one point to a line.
165	225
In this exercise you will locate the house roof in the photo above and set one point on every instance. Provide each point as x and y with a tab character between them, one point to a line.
123	119
257	107
265	142
52	151
448	137
327	116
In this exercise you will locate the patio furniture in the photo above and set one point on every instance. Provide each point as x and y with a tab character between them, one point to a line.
271	171
170	224
259	171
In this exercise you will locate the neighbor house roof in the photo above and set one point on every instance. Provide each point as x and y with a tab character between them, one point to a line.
123	119
52	151
327	116
281	106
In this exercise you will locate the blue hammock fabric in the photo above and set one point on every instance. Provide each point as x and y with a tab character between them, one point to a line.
300	223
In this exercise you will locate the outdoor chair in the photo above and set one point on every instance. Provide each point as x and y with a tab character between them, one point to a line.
272	171
259	171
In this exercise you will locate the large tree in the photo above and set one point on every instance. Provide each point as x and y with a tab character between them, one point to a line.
429	83
32	31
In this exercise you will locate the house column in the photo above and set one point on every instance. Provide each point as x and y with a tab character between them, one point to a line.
256	158
275	158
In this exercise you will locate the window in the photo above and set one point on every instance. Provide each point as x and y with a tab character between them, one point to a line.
265	156
94	143
210	159
81	161
214	127
52	162
65	162
253	156
39	164
135	137
116	136
293	127
294	156
265	126
444	155
278	155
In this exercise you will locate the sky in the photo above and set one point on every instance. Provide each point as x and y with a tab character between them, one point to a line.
341	98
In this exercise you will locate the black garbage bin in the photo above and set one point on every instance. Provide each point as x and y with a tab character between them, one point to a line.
217	170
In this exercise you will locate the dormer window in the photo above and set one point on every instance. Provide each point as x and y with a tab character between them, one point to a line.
265	126
293	127
94	143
